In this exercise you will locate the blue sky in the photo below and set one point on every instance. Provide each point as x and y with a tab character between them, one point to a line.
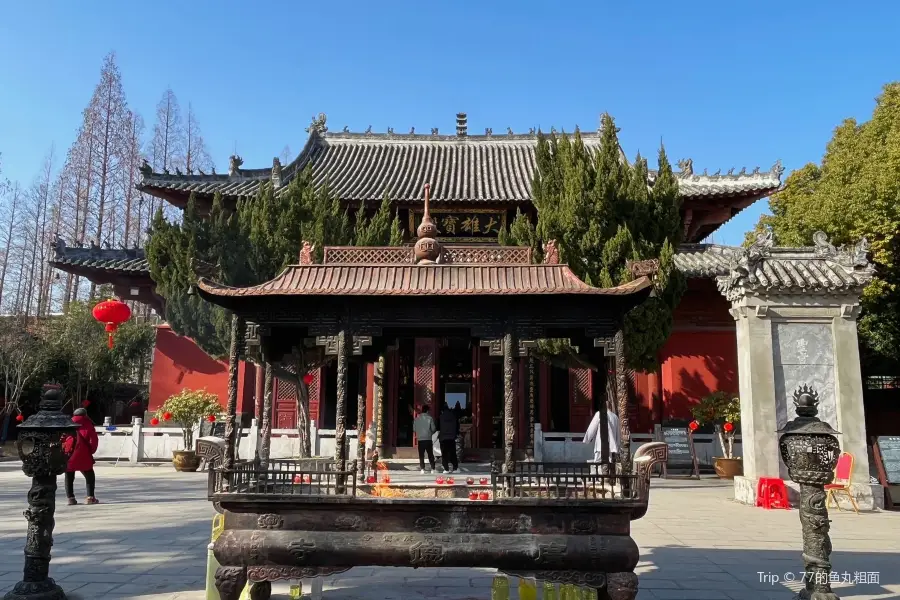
729	84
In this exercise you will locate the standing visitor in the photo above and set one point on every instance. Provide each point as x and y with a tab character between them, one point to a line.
82	458
447	433
424	428
615	437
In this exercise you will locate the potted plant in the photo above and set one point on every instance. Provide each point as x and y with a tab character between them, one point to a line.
187	408
723	411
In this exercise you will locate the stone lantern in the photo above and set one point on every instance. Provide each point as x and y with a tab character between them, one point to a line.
45	443
809	447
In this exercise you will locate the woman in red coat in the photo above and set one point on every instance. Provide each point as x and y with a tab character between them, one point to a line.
82	458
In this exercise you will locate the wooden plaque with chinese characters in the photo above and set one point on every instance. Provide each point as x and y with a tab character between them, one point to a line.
475	224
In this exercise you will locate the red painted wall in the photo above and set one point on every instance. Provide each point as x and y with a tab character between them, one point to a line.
700	357
178	363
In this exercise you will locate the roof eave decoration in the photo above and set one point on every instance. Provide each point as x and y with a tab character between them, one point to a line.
762	269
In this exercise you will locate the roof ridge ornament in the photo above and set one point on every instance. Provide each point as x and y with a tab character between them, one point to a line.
318	125
234	165
145	168
462	125
276	172
427	249
551	253
777	169
850	258
307	253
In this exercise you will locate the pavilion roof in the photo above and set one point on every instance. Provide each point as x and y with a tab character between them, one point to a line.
764	268
113	260
461	168
423	280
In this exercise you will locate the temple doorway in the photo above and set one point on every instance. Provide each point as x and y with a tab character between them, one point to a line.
455	383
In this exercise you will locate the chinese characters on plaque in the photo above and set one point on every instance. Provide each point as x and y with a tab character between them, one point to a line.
464	224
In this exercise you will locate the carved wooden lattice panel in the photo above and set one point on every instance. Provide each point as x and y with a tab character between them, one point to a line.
581	405
390	255
425	372
315	394
397	255
487	255
285	404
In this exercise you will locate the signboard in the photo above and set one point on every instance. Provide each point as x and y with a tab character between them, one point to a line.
216	429
681	449
463	225
887	462
889	455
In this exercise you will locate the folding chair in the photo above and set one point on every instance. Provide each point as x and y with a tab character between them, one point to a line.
841	483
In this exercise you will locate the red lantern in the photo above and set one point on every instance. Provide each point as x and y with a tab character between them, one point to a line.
113	313
728	427
154	421
20	418
167	416
694	425
86	403
308	379
211	418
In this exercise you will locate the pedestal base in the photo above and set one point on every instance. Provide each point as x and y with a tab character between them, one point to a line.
36	590
868	497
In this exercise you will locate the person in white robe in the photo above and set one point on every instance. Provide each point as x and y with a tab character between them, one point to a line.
615	436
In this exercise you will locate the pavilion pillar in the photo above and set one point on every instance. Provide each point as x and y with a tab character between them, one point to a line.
509	401
236	352
791	335
265	427
340	429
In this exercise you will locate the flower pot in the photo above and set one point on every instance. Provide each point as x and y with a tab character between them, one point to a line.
728	468
185	460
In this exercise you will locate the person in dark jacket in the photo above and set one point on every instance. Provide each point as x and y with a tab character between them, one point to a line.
447	432
82	458
424	429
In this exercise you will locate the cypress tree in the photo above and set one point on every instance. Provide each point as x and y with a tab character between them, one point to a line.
603	213
250	245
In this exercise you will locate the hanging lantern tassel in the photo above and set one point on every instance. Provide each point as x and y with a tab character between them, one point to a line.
113	313
110	329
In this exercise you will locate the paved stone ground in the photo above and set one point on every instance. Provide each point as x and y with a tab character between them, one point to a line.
148	541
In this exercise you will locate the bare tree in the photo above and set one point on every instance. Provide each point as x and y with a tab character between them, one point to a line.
132	234
196	155
11	219
34	238
286	155
167	146
21	359
111	132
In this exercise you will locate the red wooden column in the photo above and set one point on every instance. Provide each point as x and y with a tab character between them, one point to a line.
391	396
475	399
522	435
544	395
484	409
425	374
258	392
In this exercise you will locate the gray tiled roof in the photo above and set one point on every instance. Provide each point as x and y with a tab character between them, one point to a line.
763	268
130	261
474	168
